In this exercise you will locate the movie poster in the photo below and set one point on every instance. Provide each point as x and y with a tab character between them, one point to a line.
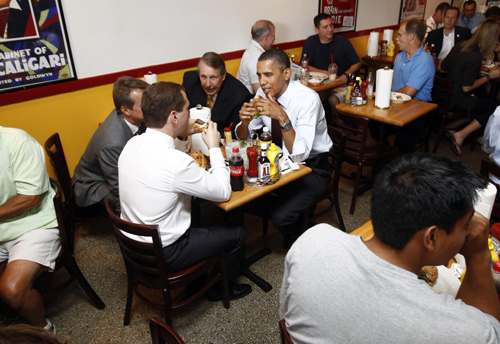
412	9
343	13
34	49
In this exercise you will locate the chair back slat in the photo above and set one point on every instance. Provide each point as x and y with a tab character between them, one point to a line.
355	129
55	151
441	93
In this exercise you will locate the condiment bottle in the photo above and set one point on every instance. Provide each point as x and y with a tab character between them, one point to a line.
274	160
390	49
303	61
369	89
252	172
266	137
237	169
293	58
495	271
433	50
383	46
350	84
228	136
364	86
263	165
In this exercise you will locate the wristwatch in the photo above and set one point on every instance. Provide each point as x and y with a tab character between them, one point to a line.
286	126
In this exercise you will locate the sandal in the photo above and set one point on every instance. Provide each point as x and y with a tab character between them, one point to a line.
455	146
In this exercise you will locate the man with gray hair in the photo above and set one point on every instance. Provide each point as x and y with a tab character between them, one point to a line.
263	36
213	87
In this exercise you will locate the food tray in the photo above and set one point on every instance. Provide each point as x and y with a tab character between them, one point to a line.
274	178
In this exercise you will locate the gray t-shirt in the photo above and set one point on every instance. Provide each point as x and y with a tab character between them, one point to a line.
335	290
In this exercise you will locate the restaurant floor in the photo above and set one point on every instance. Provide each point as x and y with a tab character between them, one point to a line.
253	319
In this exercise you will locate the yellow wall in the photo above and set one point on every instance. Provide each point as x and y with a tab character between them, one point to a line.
75	115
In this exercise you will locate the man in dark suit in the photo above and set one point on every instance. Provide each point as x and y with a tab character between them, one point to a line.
213	87
96	175
446	37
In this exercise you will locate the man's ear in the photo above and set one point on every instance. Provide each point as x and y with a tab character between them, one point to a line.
287	73
125	111
316	29
224	76
429	237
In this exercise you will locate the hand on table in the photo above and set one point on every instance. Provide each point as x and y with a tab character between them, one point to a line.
211	136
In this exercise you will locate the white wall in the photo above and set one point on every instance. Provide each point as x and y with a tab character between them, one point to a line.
108	36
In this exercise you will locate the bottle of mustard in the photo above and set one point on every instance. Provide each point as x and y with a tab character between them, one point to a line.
390	49
273	156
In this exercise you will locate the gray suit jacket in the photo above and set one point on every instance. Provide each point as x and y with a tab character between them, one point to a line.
96	175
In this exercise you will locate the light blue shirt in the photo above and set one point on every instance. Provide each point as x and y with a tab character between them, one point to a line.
471	23
417	72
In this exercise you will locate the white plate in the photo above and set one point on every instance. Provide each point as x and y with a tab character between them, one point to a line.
404	97
318	75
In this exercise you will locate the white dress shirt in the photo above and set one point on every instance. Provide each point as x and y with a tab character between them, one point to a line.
157	181
491	140
247	73
307	116
448	43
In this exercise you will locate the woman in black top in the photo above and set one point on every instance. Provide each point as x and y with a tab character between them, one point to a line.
463	64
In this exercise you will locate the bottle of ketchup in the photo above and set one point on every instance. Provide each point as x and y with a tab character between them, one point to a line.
252	172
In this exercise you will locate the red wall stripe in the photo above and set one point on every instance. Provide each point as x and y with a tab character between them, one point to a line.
80	84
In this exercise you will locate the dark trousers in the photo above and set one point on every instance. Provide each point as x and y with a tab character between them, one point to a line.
483	107
198	244
285	207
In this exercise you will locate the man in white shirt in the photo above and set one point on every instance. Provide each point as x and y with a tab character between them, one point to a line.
446	37
157	182
297	121
263	36
435	21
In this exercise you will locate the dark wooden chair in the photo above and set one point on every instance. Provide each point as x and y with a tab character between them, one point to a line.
161	333
146	266
55	151
361	150
489	168
285	336
66	257
441	94
363	71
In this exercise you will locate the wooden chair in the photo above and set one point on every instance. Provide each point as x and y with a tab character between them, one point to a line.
361	150
489	168
146	266
161	333
363	71
441	95
55	151
285	336
66	257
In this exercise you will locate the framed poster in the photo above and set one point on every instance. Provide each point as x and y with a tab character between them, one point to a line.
412	9
343	13
34	48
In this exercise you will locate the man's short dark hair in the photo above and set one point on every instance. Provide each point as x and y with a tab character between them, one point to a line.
121	91
279	57
319	18
470	2
419	191
417	27
452	8
213	60
260	29
159	100
442	7
492	11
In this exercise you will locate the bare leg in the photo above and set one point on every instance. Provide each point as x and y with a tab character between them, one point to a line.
16	289
462	134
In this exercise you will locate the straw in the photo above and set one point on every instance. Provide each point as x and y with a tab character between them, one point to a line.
231	125
307	64
331	56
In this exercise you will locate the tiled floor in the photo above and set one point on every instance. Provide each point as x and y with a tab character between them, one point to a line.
253	319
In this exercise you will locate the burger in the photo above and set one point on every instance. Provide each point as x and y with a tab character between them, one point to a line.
256	114
199	125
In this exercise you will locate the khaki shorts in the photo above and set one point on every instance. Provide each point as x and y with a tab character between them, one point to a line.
40	246
340	93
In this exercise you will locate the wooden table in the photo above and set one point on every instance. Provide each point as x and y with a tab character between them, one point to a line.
379	60
366	231
398	114
249	193
326	86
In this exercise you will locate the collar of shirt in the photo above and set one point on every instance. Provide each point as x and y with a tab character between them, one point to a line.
133	128
160	137
417	53
214	97
257	45
452	34
14	5
284	99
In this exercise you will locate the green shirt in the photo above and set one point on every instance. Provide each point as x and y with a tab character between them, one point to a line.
22	171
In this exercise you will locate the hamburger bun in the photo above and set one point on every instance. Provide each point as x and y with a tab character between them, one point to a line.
199	125
256	114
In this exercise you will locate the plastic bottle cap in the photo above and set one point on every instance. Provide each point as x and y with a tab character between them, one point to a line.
265	129
236	150
263	146
227	129
273	147
496	266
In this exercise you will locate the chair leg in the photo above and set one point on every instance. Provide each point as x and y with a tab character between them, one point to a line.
167	305
224	280
336	202
130	294
439	135
356	187
75	271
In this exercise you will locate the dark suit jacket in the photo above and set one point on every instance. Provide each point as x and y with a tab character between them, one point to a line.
230	98
436	37
96	175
